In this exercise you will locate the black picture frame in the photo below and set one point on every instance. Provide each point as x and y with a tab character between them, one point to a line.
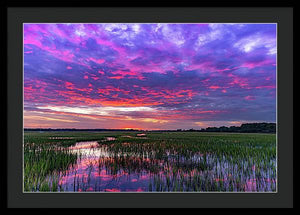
16	16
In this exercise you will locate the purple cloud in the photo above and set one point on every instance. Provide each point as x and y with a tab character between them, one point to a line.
86	75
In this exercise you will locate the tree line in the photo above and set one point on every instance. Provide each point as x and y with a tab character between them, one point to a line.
244	128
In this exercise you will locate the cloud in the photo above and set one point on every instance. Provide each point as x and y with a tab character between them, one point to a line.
157	74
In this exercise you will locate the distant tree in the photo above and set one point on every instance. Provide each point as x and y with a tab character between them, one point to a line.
245	128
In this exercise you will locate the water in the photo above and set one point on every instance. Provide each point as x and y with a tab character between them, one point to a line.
100	170
92	172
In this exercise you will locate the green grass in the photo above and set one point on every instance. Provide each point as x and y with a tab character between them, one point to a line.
223	155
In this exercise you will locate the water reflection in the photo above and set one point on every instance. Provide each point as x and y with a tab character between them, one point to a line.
94	171
98	169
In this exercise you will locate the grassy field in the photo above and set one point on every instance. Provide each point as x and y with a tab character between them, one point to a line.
172	161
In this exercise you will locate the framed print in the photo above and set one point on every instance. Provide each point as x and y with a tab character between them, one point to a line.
145	108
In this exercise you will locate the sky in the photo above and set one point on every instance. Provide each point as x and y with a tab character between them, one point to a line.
149	76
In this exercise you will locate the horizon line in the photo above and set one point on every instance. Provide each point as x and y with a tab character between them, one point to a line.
135	129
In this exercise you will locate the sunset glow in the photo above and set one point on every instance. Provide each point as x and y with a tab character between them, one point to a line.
149	76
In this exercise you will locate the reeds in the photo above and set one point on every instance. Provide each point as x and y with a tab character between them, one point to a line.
164	162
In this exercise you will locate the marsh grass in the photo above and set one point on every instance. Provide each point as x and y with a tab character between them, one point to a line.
174	161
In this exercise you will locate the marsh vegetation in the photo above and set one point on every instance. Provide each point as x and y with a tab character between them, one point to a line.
150	162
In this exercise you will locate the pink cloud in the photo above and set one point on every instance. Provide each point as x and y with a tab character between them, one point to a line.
249	98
